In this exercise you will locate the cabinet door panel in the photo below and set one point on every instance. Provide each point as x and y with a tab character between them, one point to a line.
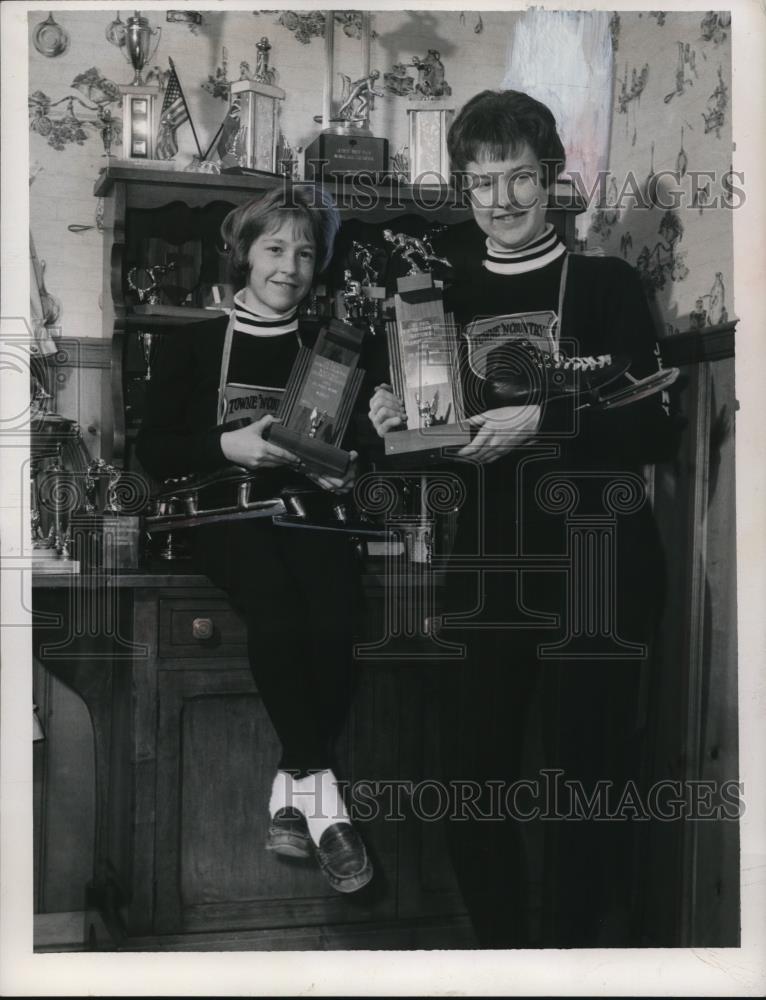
229	757
217	753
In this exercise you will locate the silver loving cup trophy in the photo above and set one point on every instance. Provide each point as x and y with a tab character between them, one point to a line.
100	497
146	339
139	46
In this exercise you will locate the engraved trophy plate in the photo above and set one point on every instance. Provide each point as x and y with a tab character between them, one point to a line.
339	155
319	399
139	120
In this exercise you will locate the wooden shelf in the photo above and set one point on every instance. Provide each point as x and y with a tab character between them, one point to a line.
713	343
159	315
352	196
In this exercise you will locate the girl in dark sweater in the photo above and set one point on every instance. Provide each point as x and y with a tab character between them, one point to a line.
295	590
534	472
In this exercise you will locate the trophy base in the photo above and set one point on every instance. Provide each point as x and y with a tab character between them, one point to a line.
424	441
346	126
319	456
345	153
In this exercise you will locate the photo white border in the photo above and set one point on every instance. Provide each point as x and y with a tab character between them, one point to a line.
649	972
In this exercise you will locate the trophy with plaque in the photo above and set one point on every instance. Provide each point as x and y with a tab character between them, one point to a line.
139	99
346	146
319	398
422	347
255	111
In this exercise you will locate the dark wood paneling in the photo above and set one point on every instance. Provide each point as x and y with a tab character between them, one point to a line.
712	848
715	343
64	779
692	894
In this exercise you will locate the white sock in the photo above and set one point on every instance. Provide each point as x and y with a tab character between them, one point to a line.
319	799
281	792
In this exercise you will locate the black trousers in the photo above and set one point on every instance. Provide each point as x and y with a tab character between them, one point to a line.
299	594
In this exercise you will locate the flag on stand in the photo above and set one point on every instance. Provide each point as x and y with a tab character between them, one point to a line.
174	113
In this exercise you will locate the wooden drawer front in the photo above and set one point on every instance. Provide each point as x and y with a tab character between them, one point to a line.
194	628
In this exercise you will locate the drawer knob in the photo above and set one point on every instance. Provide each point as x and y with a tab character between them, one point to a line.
203	628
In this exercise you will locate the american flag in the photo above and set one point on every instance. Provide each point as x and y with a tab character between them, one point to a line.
174	111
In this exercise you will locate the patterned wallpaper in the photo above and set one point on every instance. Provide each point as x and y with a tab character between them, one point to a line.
671	112
472	46
671	142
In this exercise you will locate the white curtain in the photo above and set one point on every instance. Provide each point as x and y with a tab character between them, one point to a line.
564	59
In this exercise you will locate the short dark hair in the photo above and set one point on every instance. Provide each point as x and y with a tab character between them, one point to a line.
494	123
309	208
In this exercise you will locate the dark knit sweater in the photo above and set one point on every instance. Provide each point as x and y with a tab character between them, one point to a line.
605	312
179	432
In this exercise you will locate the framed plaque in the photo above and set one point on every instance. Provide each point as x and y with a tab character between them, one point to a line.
422	347
319	398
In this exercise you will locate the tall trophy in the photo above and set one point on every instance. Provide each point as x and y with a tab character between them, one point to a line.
139	99
430	116
422	347
255	104
346	146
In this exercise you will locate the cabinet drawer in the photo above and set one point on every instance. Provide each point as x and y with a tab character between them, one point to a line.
194	628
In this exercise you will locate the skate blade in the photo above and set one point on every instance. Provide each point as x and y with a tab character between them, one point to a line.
635	392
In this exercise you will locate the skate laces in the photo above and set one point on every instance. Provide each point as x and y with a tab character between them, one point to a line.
560	361
586	363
